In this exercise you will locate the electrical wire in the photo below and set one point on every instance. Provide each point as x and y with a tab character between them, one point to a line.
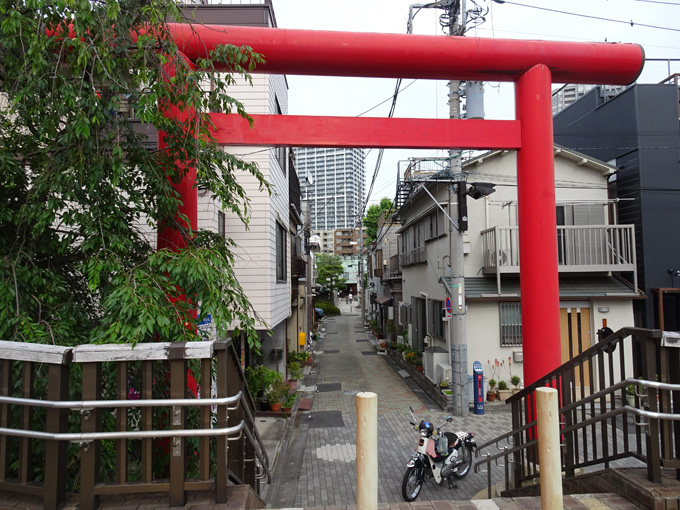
360	214
588	16
307	224
657	2
562	37
383	102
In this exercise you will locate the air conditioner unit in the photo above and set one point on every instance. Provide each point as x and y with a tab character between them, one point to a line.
432	357
444	373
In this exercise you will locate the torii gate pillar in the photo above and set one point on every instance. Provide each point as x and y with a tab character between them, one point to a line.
539	282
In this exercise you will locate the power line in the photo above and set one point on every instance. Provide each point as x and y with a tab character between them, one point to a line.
383	102
658	2
562	37
380	155
579	15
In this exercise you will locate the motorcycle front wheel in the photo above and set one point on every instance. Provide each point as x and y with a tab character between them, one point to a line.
412	483
466	464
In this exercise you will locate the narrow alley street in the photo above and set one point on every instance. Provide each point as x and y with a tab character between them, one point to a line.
319	467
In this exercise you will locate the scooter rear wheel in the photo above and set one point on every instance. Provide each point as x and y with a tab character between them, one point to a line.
465	465
412	483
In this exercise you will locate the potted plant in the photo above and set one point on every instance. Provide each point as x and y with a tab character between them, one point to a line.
259	379
294	370
515	380
391	329
491	393
630	395
503	391
305	357
288	402
277	393
373	324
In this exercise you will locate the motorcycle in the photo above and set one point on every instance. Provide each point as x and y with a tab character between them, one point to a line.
439	455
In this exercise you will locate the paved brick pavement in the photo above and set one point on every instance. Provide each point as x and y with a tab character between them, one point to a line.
319	466
321	459
583	501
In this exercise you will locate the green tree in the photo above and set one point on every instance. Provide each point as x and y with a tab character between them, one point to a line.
80	192
373	214
330	273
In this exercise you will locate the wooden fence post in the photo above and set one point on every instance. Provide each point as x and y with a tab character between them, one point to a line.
221	387
55	451
178	458
549	454
367	451
91	422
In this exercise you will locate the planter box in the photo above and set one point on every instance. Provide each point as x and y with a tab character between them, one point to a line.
503	395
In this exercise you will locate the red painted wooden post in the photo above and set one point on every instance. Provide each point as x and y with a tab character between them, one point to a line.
538	225
168	236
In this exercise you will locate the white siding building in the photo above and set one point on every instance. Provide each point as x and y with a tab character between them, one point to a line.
596	261
263	249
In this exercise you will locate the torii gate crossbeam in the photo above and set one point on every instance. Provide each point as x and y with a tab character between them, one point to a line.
532	65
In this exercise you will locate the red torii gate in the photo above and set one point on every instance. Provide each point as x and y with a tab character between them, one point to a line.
531	65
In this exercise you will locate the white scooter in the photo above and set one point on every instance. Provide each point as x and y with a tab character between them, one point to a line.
439	455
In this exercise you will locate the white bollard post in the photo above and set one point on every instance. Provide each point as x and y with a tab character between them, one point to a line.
367	451
549	454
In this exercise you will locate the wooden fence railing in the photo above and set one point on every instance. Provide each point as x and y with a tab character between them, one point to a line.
103	420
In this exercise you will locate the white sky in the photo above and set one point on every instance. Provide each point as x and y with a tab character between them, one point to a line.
311	95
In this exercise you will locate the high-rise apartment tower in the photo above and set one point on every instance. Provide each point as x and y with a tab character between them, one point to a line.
334	181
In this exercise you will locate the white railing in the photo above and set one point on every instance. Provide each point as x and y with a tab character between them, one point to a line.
582	248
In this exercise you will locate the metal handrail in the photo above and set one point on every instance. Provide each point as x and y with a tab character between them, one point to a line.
505	452
99	404
87	437
84	438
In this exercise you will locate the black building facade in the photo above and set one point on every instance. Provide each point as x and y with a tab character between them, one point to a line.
638	131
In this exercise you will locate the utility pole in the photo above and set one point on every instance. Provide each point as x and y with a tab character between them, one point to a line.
360	286
455	19
457	324
309	309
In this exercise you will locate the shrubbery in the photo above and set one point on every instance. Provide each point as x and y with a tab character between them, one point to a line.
328	308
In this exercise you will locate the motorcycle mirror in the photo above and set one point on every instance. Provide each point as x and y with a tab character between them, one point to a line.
449	419
410	408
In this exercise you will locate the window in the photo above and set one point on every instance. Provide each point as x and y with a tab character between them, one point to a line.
280	253
221	230
280	151
435	323
511	324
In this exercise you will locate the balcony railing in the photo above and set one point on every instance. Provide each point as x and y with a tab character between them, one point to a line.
414	256
582	248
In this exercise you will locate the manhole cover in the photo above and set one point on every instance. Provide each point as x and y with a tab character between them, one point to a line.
323	419
323	388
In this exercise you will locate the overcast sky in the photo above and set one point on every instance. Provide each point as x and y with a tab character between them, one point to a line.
310	95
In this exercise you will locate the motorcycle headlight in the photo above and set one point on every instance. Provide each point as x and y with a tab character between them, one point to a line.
423	433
